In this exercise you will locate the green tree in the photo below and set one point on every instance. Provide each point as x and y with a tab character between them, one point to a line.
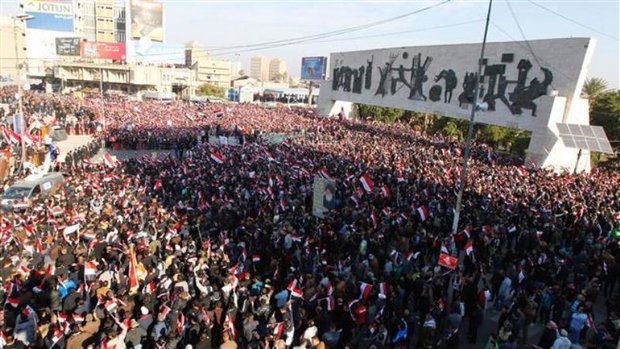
212	90
494	134
387	115
593	87
605	112
451	129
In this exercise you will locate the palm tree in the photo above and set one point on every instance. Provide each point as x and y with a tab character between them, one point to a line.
593	87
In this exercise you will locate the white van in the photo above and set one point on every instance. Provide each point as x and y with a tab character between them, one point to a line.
20	194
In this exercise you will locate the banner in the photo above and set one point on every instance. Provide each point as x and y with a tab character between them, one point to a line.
102	50
313	68
148	51
147	20
56	15
68	46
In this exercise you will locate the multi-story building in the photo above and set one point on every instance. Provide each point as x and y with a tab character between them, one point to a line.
129	78
120	21
12	50
277	70
208	70
259	68
101	20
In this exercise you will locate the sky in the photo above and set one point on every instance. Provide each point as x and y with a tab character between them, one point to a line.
218	24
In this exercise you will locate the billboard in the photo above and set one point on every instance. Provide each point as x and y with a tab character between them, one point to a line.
103	50
147	20
148	51
41	44
55	15
68	46
313	68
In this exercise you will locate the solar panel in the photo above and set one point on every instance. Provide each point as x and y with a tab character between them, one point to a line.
585	137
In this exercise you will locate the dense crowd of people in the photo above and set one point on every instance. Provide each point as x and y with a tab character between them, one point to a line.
218	247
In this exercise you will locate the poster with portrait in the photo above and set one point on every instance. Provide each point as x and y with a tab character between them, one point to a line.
147	20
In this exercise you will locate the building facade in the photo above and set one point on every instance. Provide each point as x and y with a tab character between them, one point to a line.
129	78
259	68
277	70
12	50
101	20
208	71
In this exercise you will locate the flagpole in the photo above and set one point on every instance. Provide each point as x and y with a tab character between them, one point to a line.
470	128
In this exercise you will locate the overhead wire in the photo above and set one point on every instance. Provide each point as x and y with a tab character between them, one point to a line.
336	32
527	43
297	40
524	47
572	20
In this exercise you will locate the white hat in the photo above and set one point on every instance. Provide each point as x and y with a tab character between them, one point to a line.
144	310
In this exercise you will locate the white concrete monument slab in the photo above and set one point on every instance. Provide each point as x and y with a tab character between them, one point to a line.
526	87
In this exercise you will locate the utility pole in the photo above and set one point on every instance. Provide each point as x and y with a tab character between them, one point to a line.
470	128
102	95
20	103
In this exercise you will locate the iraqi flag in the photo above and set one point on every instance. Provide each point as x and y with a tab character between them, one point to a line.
331	304
110	305
365	291
90	270
447	261
57	211
255	258
385	191
367	183
29	230
373	217
30	139
467	232
323	173
278	329
217	158
56	337
165	310
469	248
383	289
423	213
12	136
14	302
297	293
230	322
109	160
51	269
180	323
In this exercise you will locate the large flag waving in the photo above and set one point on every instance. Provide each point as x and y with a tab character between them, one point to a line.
367	183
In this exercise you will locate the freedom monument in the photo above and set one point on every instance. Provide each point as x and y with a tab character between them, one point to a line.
531	85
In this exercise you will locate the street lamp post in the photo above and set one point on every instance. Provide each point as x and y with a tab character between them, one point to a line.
20	104
470	128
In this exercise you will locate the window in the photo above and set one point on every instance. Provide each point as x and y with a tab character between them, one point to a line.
36	191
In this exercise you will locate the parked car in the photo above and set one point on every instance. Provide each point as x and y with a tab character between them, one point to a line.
19	195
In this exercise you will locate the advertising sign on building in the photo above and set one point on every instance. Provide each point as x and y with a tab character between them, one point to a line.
147	20
103	50
68	46
56	15
148	51
313	68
